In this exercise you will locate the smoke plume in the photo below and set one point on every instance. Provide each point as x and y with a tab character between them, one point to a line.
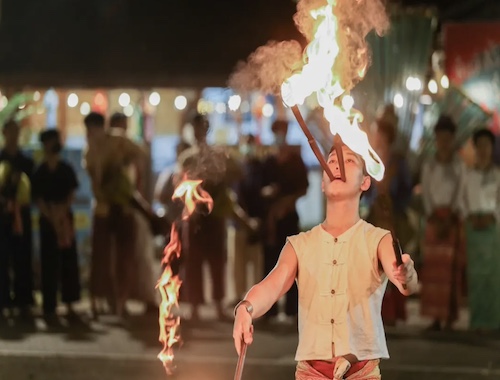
270	65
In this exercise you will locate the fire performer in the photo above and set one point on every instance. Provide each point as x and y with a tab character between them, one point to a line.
342	268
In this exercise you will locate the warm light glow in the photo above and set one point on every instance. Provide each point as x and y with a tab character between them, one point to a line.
72	100
433	86
348	102
426	99
245	107
445	82
124	99
317	77
128	110
413	84
37	96
267	110
234	102
99	99
180	102
220	108
85	108
190	192
398	100
154	99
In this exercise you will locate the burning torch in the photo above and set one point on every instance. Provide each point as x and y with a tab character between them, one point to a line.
317	77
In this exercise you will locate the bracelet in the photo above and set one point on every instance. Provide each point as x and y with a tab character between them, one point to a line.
247	304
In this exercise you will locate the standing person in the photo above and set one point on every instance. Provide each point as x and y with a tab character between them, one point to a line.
114	230
54	185
15	224
389	200
482	201
443	257
285	181
207	232
143	288
246	246
342	267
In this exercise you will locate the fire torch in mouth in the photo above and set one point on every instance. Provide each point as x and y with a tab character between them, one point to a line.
318	77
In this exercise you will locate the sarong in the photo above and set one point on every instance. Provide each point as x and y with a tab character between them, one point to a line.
483	271
370	371
443	269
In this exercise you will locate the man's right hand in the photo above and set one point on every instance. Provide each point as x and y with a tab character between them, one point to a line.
243	329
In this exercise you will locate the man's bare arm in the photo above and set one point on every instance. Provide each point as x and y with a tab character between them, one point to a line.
263	295
267	292
404	274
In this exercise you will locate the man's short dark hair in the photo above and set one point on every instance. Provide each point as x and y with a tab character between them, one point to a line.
445	124
49	135
94	119
483	132
116	118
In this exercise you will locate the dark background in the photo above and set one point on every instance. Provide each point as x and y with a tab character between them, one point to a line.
154	42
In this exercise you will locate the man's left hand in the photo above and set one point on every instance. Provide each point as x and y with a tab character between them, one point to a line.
404	272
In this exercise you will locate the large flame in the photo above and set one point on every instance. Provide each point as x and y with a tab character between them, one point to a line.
318	76
190	192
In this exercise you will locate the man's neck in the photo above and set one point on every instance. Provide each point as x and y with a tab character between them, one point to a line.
340	216
52	161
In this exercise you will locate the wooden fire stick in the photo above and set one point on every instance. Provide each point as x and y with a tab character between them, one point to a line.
241	361
337	144
313	143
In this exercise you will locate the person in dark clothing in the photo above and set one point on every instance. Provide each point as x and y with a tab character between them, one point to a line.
15	225
284	182
54	184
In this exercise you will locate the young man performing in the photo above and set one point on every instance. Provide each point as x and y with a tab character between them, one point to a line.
341	267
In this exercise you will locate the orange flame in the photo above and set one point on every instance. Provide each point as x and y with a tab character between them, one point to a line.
318	76
190	192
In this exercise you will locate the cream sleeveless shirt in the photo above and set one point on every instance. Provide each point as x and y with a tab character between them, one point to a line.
340	293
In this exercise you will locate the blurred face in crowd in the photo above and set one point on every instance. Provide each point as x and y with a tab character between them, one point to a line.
52	147
94	132
248	146
200	128
445	142
484	150
11	133
120	124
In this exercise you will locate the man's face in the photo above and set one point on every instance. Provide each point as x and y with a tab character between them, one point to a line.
121	124
11	134
445	141
356	179
484	150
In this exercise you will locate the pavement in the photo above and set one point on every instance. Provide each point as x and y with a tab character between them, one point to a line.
110	349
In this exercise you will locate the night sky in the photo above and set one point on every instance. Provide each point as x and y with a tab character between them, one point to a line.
170	42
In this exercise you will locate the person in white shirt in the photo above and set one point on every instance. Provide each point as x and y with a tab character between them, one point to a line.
442	181
341	267
482	205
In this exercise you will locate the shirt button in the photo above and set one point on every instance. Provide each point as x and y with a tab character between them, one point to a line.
331	321
334	262
335	240
333	291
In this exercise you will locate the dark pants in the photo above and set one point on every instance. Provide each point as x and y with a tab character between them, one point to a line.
206	242
59	267
113	249
16	272
287	226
